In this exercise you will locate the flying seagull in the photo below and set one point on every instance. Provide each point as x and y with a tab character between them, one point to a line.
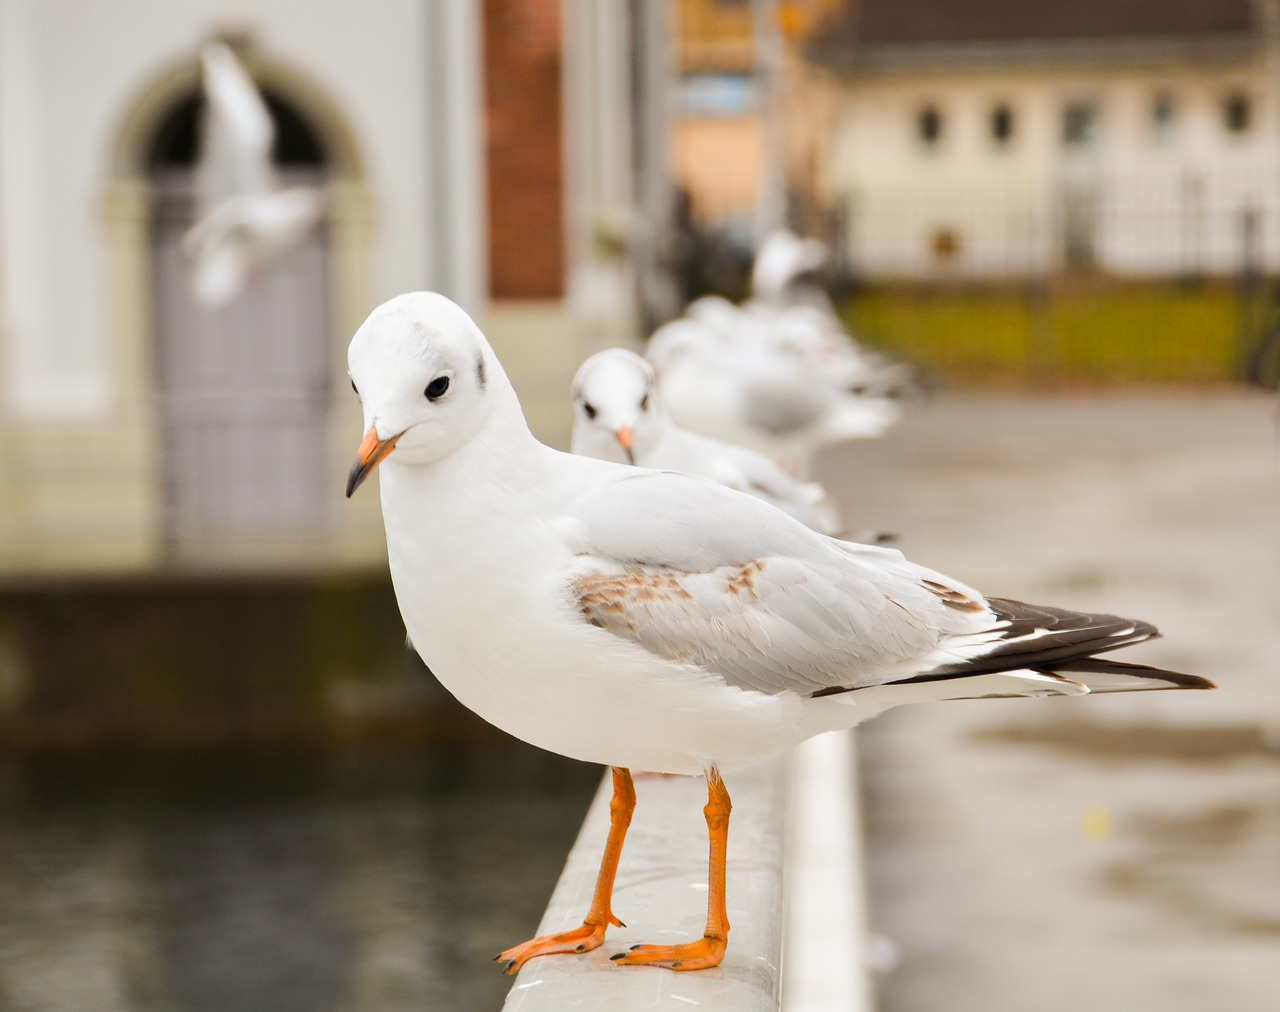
245	218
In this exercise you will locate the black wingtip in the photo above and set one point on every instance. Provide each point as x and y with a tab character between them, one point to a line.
1142	675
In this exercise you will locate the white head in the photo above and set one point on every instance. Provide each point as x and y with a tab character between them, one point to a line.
428	382
617	414
783	257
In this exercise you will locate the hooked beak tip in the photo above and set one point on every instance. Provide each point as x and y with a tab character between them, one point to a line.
371	453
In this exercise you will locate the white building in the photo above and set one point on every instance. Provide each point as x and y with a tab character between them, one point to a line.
1001	138
137	435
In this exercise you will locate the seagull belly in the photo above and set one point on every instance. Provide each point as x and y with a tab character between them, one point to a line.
533	666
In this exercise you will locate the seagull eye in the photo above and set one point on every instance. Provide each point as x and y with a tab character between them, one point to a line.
353	387
588	409
436	388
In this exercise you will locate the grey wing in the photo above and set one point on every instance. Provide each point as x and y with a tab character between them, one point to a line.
784	402
697	573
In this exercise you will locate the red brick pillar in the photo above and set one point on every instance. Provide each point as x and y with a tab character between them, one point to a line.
523	52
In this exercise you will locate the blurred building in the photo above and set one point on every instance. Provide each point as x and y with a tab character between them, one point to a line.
736	59
469	147
997	138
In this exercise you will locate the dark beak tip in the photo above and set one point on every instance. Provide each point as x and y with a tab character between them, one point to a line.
356	478
371	453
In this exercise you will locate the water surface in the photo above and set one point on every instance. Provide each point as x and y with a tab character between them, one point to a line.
281	879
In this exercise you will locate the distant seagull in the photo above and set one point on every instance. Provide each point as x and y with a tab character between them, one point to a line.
782	262
742	388
651	620
619	415
246	219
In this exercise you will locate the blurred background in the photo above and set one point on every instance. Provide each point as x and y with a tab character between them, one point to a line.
226	784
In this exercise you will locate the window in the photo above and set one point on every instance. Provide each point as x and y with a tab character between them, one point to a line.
717	95
929	126
1002	125
1163	117
1237	113
1079	124
945	244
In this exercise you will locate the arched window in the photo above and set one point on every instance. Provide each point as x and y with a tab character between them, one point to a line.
1237	113
1002	125
929	126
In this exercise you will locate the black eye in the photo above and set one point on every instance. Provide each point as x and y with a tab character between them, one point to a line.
588	409
644	402
353	387
436	388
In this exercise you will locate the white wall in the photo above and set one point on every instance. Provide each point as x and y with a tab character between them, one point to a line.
70	71
1156	198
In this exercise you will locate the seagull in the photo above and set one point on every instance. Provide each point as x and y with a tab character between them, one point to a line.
782	262
620	416
794	310
652	620
246	219
739	388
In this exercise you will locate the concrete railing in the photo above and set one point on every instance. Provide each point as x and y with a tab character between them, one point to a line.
795	822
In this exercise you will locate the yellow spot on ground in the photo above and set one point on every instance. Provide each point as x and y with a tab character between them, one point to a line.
1095	822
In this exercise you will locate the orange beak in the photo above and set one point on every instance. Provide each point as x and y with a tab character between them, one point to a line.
371	453
624	437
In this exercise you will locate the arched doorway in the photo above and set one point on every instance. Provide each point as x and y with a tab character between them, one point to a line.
243	389
155	146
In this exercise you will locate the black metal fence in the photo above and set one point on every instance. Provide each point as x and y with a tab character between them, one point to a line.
1087	276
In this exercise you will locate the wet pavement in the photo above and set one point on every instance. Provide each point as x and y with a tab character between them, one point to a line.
1108	853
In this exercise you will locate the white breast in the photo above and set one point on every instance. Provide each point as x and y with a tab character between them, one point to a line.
486	603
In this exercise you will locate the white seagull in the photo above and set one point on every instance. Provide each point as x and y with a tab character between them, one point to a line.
781	264
619	415
654	620
741	388
245	218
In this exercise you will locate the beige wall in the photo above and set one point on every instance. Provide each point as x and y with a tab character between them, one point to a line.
999	199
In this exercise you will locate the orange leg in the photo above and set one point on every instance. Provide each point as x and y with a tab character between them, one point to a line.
600	914
709	949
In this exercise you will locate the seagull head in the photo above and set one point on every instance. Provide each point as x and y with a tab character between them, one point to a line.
616	411
425	376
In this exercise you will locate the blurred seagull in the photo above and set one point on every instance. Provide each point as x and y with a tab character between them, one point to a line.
739	389
789	305
246	219
781	264
654	620
619	416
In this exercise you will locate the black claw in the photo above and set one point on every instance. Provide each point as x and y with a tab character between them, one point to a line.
617	955
497	957
620	924
581	948
510	966
638	945
677	964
